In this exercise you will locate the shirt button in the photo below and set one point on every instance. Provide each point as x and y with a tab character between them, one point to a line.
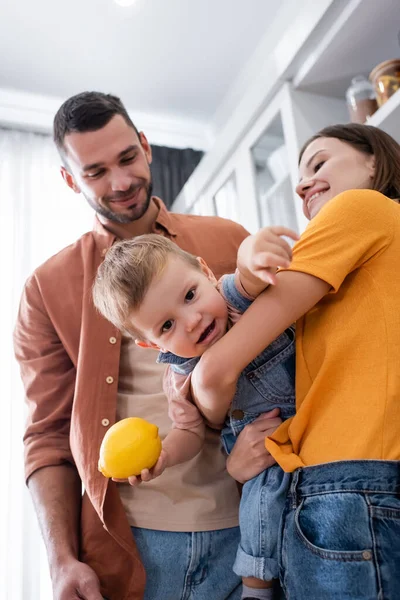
104	251
367	555
109	379
237	414
113	340
105	422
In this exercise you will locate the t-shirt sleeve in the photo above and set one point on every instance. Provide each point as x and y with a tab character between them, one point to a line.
182	411
348	232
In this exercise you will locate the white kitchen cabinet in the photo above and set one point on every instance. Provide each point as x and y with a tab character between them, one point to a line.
257	151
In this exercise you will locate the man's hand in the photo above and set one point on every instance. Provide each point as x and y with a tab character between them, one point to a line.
261	254
249	456
148	474
75	581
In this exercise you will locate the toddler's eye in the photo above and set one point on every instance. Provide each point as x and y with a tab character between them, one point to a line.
318	166
190	295
167	325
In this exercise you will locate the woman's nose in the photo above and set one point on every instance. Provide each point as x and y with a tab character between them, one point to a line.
303	186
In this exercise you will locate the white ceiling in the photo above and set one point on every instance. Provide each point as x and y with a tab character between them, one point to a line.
171	59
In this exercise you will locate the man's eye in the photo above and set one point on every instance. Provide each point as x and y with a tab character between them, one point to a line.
190	295
128	159
167	326
95	174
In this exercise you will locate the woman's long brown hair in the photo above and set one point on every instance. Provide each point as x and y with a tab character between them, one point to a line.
372	141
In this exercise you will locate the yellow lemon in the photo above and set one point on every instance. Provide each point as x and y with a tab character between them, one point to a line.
128	447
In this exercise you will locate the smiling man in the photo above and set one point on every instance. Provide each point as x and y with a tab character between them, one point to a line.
81	375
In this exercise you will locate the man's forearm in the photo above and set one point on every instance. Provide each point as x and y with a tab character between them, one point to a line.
56	494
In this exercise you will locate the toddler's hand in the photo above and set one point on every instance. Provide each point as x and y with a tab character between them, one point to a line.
261	254
148	474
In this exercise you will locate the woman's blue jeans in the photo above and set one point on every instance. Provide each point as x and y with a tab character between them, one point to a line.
340	532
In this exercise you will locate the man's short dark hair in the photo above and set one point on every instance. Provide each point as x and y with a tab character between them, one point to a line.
87	111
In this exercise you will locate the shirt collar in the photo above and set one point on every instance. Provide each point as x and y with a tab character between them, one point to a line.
164	218
178	364
163	223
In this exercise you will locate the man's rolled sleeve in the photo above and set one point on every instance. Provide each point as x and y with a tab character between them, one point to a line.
49	378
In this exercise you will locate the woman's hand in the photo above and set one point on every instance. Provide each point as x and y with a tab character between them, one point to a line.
261	254
249	456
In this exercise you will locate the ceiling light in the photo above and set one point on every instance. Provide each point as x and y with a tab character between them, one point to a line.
125	2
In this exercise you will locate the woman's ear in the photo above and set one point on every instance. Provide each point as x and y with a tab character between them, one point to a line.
206	269
144	344
372	166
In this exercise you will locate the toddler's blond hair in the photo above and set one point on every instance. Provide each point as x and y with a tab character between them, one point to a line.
126	273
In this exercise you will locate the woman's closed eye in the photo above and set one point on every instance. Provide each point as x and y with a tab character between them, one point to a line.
166	326
190	295
318	165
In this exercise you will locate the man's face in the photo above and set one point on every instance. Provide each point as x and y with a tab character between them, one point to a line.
111	167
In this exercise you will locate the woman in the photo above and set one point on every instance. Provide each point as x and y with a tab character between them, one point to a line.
340	531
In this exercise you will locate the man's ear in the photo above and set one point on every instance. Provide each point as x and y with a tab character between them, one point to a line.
206	269
146	147
144	344
69	180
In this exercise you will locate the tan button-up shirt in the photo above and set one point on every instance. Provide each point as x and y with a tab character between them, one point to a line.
69	359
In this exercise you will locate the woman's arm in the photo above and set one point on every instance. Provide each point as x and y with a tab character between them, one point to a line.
214	378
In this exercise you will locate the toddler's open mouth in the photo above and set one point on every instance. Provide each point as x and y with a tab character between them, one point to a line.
207	332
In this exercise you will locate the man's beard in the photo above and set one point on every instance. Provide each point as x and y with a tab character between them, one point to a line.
123	219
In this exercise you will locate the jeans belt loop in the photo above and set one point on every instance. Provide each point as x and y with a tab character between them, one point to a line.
293	491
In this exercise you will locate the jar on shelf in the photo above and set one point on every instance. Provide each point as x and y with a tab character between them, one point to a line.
360	98
386	79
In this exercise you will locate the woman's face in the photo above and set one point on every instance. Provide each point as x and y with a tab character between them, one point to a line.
329	167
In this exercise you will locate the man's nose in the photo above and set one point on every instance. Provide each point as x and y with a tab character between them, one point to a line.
120	180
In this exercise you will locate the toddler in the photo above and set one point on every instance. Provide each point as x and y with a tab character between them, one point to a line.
169	300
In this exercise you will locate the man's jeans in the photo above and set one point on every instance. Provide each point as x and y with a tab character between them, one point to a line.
340	532
189	566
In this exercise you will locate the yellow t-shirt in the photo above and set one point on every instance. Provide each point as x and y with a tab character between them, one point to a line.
348	345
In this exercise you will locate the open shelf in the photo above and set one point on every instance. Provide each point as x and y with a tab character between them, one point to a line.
365	34
387	117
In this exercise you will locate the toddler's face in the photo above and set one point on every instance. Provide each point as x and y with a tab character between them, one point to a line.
182	311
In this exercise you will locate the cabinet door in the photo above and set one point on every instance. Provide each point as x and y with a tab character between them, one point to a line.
272	177
226	200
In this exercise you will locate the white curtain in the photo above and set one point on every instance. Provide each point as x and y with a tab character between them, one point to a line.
39	216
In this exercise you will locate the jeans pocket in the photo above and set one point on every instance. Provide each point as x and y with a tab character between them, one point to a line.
335	526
